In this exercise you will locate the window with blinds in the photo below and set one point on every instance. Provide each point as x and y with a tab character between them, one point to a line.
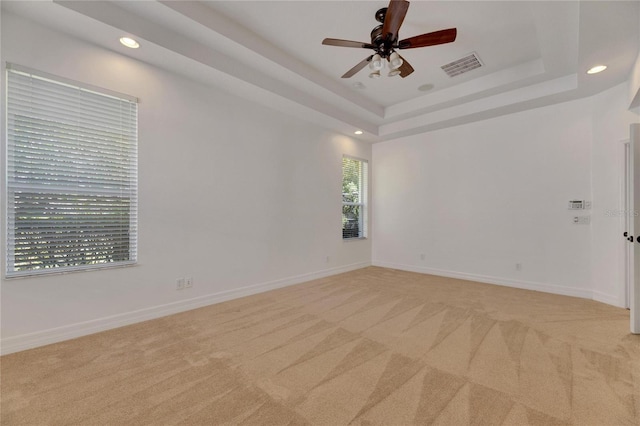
354	198
71	175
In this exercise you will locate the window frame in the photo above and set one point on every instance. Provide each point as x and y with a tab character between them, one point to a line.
363	225
9	185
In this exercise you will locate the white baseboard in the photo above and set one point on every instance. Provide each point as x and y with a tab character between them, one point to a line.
599	296
40	338
526	285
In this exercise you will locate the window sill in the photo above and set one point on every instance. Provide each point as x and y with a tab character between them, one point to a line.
354	239
50	272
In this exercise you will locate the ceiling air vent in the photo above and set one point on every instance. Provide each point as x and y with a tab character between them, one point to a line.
462	65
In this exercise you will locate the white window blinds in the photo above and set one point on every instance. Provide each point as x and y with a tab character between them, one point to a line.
354	198
71	176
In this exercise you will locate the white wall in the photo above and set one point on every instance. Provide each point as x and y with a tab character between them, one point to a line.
478	199
231	193
611	121
634	87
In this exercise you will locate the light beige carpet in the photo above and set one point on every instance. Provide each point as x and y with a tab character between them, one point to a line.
373	346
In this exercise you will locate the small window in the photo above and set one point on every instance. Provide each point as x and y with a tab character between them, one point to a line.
71	175
354	198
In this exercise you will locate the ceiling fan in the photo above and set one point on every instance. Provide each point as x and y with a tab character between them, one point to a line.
384	42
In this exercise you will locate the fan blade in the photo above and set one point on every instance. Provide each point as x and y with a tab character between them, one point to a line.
347	43
405	68
393	19
357	68
429	39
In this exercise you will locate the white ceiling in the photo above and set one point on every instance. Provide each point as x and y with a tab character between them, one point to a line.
534	53
355	20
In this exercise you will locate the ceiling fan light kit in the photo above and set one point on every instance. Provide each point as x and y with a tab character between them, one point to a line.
376	63
395	60
384	42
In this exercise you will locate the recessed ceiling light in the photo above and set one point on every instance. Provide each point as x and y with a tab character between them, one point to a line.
425	87
129	42
597	69
358	132
358	85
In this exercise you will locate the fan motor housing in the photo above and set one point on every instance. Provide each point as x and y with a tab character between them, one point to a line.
376	36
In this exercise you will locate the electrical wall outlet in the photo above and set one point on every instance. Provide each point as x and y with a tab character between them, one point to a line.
582	220
180	284
188	282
